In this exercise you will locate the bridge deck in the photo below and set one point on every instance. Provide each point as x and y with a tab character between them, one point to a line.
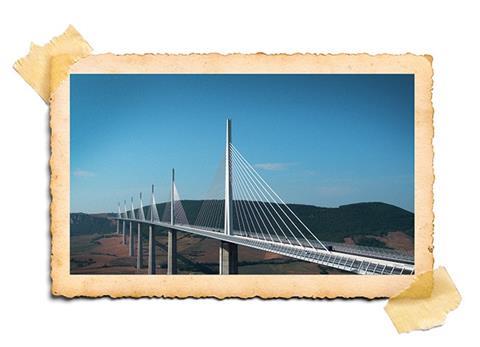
362	260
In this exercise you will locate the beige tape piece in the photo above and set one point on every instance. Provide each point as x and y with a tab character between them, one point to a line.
412	310
46	66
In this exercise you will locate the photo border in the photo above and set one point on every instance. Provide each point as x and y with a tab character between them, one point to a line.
241	286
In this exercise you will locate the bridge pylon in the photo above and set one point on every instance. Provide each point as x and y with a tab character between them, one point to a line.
228	252
139	236
130	237
152	264
172	234
118	220
124	235
228	180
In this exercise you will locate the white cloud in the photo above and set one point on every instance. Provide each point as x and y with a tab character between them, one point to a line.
83	173
273	166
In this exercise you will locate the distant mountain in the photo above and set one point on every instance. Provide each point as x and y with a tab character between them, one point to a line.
368	218
83	223
329	224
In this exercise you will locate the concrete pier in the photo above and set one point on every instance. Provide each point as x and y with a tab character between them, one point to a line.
123	232
228	263
152	264
118	226
172	252
131	242
139	247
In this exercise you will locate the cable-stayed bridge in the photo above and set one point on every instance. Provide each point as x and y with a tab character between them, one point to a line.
251	214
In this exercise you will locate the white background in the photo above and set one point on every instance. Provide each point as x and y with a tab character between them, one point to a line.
28	313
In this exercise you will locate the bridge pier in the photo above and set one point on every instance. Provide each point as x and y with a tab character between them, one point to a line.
118	226
139	247
228	254
152	264
172	252
131	242
123	233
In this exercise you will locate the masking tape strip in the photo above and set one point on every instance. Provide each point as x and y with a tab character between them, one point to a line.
46	66
412	310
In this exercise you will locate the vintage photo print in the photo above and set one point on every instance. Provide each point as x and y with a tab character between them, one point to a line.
242	176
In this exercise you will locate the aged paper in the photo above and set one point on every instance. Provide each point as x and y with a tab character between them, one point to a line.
245	286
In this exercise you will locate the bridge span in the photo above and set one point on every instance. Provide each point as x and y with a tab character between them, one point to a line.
251	215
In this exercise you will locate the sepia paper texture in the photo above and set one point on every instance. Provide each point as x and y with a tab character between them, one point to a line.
243	286
410	311
46	66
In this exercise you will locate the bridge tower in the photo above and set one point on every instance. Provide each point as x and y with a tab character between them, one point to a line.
130	238
139	236
228	252
118	220
123	223
152	264
172	234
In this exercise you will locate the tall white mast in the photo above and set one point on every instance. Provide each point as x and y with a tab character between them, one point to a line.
228	180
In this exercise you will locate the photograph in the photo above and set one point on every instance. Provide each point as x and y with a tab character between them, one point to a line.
234	173
242	174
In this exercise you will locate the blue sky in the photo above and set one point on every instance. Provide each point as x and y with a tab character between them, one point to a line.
325	140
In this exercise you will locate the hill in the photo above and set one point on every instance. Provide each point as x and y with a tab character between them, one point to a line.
96	249
83	223
371	218
329	224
